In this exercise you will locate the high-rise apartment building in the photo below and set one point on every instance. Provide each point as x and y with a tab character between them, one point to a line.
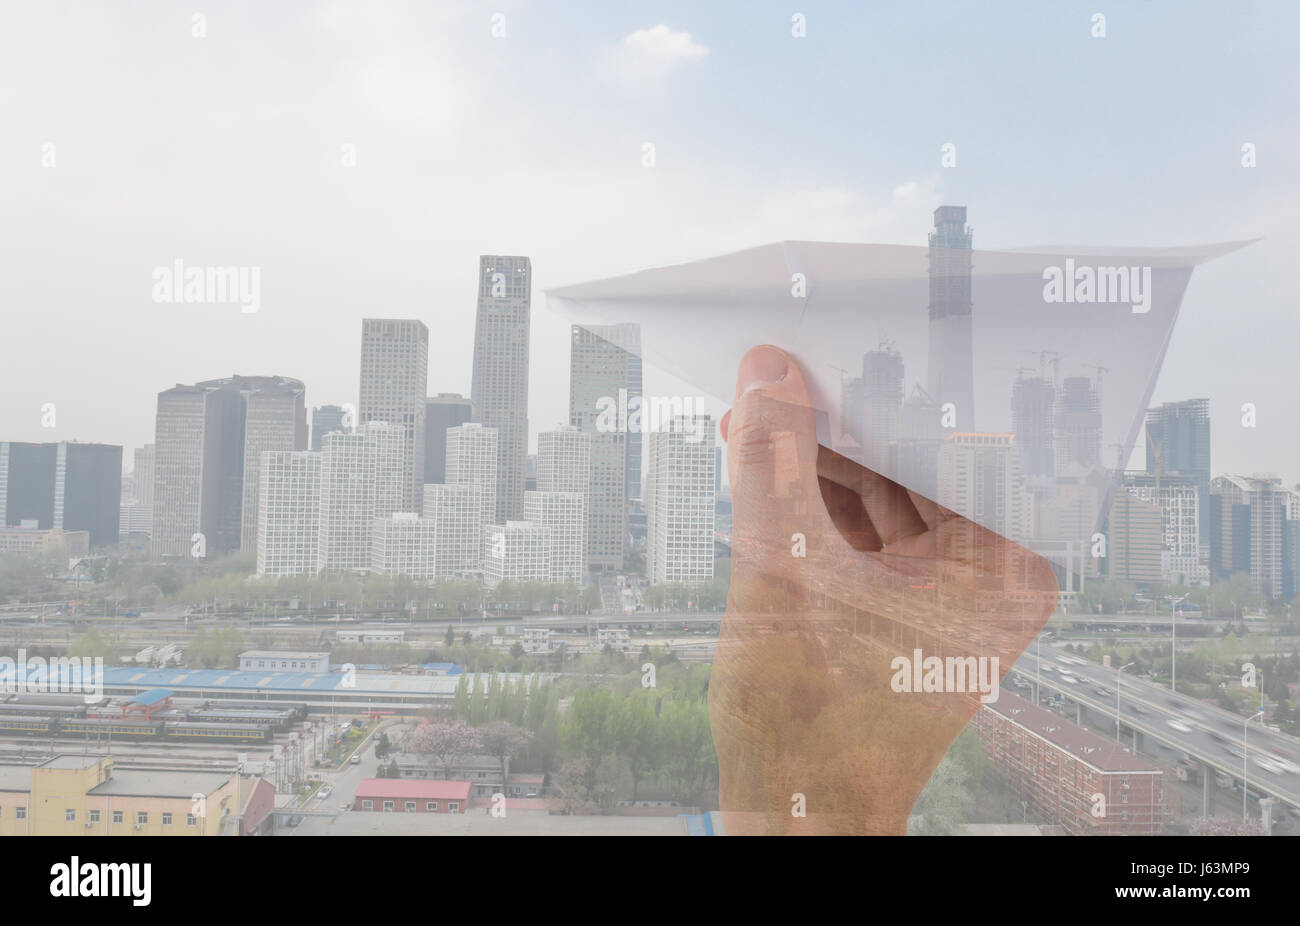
443	411
561	513
680	503
456	512
142	475
882	405
517	551
472	454
394	381
1033	402
1179	499
500	383
288	513
402	544
1135	539
979	476
362	478
1077	426
1250	532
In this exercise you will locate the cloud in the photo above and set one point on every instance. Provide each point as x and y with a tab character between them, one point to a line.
653	54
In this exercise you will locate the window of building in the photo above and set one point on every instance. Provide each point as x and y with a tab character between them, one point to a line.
70	816
388	805
117	816
190	819
410	806
167	819
141	818
20	813
94	816
431	805
367	805
453	806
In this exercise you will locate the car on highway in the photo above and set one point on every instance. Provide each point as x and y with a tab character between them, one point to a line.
1178	725
1067	677
1217	737
1234	751
1138	709
1278	751
325	791
1101	692
355	760
1047	668
1286	765
1268	765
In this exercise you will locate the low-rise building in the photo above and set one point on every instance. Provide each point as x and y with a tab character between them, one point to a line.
1086	783
272	661
396	795
86	796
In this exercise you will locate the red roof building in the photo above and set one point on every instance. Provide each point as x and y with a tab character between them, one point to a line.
412	795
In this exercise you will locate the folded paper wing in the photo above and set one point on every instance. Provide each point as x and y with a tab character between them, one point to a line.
1009	386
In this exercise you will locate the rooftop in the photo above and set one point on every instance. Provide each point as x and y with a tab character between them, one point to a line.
413	788
161	783
1094	750
152	696
272	654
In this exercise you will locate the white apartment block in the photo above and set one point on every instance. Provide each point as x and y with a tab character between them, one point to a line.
402	544
347	502
456	512
1180	508
288	513
517	551
394	383
472	460
390	467
680	502
600	373
562	514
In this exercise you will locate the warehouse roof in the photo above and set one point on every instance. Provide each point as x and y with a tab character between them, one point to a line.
160	783
152	696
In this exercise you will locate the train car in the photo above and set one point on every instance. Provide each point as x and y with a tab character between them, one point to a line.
27	723
296	709
277	720
219	732
16	709
125	729
26	698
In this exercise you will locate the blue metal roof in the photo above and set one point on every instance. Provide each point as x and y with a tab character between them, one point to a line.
152	696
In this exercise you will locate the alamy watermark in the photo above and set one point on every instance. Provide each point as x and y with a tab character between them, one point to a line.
952	674
201	285
1075	283
643	414
57	675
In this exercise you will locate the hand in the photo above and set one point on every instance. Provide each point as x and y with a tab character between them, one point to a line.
838	575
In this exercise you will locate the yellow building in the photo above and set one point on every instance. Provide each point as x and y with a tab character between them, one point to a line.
87	796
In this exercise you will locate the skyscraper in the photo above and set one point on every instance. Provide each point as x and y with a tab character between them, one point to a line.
979	475
601	372
561	513
500	384
142	475
446	410
402	544
1032	402
1250	532
1077	426
203	450
275	418
288	512
680	503
65	486
325	419
394	380
517	551
1178	441
882	404
951	375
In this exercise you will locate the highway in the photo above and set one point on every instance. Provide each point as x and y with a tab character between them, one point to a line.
1201	731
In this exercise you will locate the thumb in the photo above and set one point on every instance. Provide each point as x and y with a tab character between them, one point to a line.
771	435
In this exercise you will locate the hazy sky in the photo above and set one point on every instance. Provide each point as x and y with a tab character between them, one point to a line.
226	149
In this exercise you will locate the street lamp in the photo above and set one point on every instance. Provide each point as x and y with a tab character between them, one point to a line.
1173	639
1117	685
1245	760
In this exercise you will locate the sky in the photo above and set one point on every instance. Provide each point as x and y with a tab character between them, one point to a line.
136	135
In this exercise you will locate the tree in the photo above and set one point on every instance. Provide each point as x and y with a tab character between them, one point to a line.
944	804
444	741
450	638
91	645
637	733
505	741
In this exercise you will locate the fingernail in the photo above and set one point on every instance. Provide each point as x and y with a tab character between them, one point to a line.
762	366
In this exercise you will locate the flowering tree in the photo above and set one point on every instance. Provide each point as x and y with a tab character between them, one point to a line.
444	741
